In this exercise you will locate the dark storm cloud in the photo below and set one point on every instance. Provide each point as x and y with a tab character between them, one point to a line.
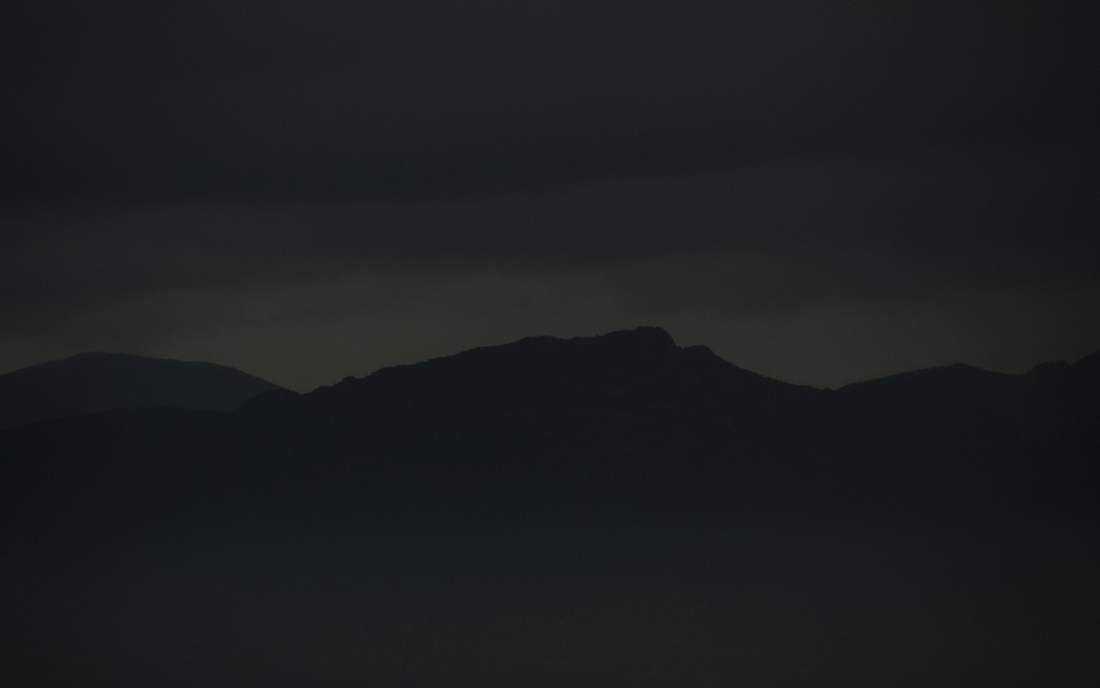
337	100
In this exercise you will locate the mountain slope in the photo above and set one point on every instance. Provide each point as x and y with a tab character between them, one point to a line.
93	382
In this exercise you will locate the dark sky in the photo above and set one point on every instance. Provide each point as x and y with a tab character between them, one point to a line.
822	191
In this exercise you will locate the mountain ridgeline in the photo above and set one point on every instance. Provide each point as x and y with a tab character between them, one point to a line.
93	382
624	426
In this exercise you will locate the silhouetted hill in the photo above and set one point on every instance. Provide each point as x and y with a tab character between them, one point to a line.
93	382
622	426
964	438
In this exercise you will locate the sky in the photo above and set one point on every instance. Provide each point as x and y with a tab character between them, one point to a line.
820	191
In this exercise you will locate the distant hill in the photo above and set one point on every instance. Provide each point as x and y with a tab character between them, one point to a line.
92	382
623	426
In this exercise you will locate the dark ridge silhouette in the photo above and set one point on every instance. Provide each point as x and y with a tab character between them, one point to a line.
610	510
91	382
625	426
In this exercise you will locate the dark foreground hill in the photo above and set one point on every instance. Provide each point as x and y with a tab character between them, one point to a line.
93	382
623	426
612	511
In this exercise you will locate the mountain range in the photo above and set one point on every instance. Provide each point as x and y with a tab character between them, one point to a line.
624	426
612	511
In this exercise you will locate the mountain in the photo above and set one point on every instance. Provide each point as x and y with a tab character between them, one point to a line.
612	510
93	382
622	426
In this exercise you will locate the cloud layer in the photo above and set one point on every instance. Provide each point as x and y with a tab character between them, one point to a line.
822	191
337	99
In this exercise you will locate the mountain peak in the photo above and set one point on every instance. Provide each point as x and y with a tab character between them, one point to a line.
648	336
639	338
